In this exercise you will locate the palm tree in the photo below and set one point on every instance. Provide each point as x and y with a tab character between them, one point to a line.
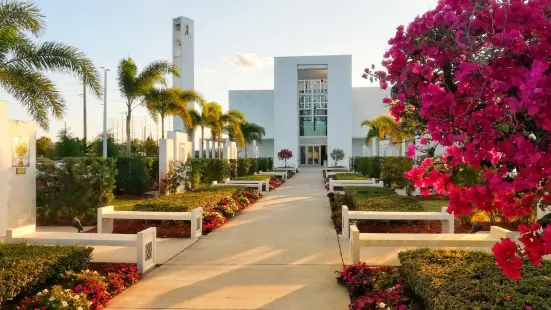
170	101
135	86
384	126
207	118
252	132
24	62
230	123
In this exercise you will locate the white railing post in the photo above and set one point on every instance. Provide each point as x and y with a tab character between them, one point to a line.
354	244
196	223
146	245
448	225
331	185
345	222
105	226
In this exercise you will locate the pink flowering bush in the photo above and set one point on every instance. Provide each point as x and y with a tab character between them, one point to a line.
474	76
285	154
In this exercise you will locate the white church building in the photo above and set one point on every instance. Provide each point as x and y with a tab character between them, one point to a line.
311	110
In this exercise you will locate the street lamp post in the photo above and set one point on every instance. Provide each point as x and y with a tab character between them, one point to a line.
105	112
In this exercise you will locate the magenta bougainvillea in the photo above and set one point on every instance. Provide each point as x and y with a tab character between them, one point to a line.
285	154
474	76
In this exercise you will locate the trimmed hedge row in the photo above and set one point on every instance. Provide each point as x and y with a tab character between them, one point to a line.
24	269
459	279
393	169
185	202
136	175
368	166
255	177
380	199
349	176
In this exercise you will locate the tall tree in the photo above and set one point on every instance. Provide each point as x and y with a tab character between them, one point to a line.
44	147
23	63
150	147
135	86
170	101
207	118
252	132
231	122
68	145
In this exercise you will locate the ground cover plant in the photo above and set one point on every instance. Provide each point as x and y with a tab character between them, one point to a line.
27	268
349	176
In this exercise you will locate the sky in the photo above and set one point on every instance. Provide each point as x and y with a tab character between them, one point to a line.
235	42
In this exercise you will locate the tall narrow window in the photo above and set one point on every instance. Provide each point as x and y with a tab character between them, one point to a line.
312	102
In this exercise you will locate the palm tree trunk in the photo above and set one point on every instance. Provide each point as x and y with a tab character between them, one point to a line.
246	150
192	145
162	127
219	146
202	142
128	126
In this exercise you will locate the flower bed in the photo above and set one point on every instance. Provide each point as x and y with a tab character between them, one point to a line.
452	279
27	268
86	289
376	288
219	205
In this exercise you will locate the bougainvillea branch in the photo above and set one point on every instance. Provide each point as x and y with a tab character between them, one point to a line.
474	76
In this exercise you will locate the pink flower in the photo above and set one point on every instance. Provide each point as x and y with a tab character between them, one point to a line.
423	141
410	151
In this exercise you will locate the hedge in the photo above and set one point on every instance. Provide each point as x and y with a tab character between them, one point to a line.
349	176
74	187
254	178
265	163
185	202
368	166
25	269
206	170
380	199
393	169
459	279
136	175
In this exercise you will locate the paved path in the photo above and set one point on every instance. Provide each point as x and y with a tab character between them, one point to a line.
280	254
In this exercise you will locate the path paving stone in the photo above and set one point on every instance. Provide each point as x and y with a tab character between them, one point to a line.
280	254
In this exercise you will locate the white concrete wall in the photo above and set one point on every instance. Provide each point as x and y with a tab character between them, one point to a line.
265	149
258	106
286	104
17	191
339	105
22	187
367	103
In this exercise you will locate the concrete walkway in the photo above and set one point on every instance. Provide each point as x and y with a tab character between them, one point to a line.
280	254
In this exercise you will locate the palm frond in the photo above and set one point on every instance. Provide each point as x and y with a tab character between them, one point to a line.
23	15
127	72
35	91
154	73
56	57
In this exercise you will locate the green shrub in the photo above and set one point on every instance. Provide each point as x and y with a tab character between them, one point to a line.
254	178
74	187
349	176
393	169
459	279
243	166
253	167
466	176
265	163
368	166
25	269
380	199
207	170
133	175
232	168
185	202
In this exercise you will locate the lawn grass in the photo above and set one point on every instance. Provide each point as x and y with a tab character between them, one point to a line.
122	204
433	205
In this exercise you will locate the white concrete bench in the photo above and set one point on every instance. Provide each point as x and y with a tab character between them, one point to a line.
294	169
282	174
446	218
258	186
145	241
357	183
478	240
106	215
263	184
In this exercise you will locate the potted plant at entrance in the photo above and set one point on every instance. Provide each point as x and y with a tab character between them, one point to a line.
337	155
285	154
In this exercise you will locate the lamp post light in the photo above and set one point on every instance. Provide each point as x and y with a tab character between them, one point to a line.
105	112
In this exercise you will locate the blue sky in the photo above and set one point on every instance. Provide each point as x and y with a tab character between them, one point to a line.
234	42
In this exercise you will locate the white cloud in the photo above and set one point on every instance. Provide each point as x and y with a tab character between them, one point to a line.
251	61
209	72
